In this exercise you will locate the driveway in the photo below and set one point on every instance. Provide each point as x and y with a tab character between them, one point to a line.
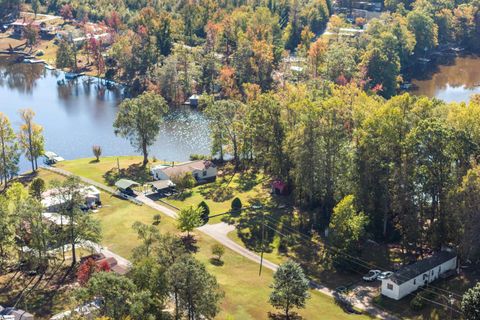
219	232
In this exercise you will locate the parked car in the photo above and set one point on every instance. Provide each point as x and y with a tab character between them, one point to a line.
385	275
372	275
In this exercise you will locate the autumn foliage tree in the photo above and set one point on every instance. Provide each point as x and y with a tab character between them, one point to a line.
88	268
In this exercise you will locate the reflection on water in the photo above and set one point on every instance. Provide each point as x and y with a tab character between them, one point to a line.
80	113
456	81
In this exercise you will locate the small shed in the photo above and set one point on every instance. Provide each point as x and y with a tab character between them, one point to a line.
126	186
193	100
279	187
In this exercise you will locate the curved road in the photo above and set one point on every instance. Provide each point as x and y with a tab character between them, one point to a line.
219	232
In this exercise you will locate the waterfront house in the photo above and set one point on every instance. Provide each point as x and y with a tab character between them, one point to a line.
202	170
411	277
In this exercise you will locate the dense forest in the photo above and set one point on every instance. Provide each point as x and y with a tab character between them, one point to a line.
318	112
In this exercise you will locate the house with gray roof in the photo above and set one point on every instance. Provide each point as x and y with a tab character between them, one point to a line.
411	277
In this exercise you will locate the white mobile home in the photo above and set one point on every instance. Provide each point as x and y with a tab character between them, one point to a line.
411	277
202	170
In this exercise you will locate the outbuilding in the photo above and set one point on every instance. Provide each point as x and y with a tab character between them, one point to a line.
411	277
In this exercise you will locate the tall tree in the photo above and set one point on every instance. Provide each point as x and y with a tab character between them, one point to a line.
290	288
9	150
199	292
31	137
78	226
347	227
139	119
149	235
189	219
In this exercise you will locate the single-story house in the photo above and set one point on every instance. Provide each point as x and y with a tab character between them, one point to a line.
411	277
51	200
11	313
202	170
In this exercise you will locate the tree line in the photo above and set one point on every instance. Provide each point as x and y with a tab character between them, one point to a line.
408	163
29	141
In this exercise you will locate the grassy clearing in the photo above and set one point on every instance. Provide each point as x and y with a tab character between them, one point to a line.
247	186
246	294
106	170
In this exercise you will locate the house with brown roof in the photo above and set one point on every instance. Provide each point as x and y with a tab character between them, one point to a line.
202	170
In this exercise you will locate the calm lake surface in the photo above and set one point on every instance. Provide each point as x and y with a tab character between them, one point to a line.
80	114
454	82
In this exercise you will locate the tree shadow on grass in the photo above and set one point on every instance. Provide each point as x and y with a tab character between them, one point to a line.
247	181
190	243
216	262
278	316
136	172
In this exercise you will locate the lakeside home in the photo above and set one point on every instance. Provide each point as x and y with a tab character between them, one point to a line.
411	277
202	170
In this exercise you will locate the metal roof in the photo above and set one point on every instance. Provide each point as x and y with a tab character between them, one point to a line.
409	272
125	183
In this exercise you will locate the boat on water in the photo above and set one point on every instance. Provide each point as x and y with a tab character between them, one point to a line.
33	61
49	67
51	158
72	75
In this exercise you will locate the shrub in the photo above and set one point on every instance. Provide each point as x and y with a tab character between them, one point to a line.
205	211
184	181
236	204
417	303
218	250
40	53
196	156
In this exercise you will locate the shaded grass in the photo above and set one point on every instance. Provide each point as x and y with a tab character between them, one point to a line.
246	293
247	186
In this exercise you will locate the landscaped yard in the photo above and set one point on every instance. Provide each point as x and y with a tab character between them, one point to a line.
246	293
249	187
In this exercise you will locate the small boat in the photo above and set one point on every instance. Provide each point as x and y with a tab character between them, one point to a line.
71	75
51	157
423	60
49	67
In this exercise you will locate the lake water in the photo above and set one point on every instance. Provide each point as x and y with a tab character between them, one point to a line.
80	114
453	82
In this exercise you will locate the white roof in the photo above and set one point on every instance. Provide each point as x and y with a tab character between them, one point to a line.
56	218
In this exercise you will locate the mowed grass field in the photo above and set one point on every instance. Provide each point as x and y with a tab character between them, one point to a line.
246	293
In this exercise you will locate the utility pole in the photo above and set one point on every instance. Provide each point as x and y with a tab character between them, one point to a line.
263	247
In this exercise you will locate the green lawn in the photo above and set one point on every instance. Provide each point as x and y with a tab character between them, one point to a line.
218	195
106	170
246	294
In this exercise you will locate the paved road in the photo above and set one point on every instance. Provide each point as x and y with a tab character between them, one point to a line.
220	232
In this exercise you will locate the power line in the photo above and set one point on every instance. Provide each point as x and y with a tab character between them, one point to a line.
356	258
353	259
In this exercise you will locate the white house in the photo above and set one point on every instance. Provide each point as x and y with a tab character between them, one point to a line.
202	170
411	277
52	200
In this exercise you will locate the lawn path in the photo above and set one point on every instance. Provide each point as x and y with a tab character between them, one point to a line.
219	232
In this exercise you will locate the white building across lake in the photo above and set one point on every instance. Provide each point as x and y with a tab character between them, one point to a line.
411	277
